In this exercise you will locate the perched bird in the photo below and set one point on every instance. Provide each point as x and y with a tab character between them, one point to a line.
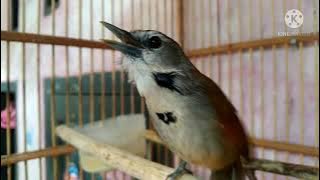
190	112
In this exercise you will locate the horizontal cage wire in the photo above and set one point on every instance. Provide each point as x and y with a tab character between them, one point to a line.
59	81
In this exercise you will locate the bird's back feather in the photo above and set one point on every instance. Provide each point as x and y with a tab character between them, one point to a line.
226	114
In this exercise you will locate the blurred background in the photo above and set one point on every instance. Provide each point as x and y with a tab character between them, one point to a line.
55	70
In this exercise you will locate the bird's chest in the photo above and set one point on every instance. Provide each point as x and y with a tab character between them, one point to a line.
188	126
184	128
166	106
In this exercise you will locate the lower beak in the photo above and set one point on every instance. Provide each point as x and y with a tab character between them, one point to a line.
129	45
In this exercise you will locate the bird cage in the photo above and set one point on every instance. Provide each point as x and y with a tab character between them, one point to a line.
59	79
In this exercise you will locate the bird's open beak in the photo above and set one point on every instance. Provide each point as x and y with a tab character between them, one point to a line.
129	45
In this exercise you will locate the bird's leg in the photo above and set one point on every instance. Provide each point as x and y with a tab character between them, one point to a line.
179	171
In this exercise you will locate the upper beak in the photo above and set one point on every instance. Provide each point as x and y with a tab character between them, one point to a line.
129	45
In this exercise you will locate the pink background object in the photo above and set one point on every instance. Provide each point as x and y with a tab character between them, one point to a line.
12	120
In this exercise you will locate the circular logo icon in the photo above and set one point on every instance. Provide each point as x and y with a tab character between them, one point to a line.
294	18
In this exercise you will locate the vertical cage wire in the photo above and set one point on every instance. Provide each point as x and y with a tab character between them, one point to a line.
251	74
316	89
203	33
52	91
8	130
179	19
122	80
132	104
172	14
113	73
316	79
165	19
23	72
91	76
67	70
80	98
286	46
141	98
301	65
287	98
262	97
275	80
229	53
211	42
38	61
240	61
302	90
67	90
103	66
218	43
193	28
91	80
80	108
142	104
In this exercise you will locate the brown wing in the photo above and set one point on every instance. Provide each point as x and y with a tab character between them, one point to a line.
227	115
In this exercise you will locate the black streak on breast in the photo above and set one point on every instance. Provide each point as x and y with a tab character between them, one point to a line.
166	80
167	117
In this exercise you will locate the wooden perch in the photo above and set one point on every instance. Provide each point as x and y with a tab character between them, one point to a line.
293	170
122	160
48	152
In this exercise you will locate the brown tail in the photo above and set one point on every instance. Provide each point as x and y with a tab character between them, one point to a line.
250	173
233	172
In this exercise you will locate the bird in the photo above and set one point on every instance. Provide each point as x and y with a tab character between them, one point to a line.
189	111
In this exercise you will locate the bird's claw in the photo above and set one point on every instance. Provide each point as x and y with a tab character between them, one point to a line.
179	171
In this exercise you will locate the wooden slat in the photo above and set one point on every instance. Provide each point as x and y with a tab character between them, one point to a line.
53	40
287	147
49	152
280	146
266	43
222	49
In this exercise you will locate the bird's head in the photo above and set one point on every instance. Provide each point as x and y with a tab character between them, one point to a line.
148	48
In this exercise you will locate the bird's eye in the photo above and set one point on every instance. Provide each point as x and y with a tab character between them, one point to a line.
154	42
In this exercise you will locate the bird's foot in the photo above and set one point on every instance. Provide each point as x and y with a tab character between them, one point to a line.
179	171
